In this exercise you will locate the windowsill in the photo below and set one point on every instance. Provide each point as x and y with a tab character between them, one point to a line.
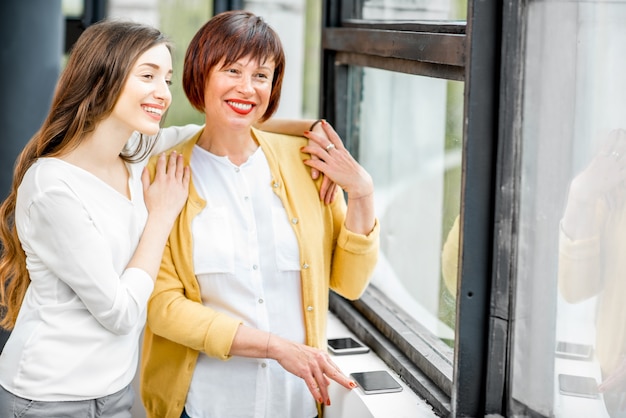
354	403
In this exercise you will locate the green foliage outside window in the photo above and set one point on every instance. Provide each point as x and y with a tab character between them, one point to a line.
180	20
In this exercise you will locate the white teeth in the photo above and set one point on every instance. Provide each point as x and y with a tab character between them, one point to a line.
153	110
242	106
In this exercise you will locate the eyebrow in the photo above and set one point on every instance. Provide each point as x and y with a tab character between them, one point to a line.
261	65
155	66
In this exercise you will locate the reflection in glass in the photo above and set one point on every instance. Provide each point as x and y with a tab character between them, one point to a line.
412	9
570	314
409	130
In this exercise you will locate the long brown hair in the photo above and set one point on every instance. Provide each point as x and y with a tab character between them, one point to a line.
86	93
230	36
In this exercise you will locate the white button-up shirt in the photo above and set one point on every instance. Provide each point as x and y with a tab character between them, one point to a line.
246	260
77	332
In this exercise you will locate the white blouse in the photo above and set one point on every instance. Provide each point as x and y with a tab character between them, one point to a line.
77	332
246	259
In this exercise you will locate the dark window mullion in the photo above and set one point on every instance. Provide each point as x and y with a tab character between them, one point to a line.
477	202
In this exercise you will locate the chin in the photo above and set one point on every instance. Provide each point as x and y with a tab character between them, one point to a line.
243	122
150	131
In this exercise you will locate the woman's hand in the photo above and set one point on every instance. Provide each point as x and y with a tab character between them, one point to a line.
167	194
328	188
605	172
164	199
330	157
602	180
312	365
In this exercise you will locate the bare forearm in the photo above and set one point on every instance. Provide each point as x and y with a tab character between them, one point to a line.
286	126
360	214
310	364
250	342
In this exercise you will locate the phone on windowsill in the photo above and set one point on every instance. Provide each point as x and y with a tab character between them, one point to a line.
346	345
379	381
581	386
573	351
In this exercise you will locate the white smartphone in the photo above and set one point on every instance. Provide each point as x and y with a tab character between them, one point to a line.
379	381
346	345
573	351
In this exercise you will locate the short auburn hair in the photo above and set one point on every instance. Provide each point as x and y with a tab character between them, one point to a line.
230	36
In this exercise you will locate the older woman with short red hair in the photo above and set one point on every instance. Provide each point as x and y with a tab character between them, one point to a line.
249	263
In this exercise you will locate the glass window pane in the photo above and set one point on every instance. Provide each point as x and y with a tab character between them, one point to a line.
72	8
410	142
411	9
179	20
571	283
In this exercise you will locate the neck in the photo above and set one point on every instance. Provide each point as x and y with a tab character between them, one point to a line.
98	149
237	146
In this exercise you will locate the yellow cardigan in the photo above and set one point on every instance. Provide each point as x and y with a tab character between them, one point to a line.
595	267
179	326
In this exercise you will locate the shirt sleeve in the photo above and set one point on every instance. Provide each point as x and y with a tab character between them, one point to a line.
61	234
166	139
580	272
174	135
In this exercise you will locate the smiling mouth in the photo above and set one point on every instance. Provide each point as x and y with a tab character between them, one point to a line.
153	110
241	108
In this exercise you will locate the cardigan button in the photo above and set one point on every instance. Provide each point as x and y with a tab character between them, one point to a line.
305	266
309	308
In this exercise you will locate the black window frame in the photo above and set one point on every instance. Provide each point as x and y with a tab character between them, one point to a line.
93	11
467	51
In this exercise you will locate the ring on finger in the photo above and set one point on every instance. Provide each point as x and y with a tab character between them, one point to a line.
330	146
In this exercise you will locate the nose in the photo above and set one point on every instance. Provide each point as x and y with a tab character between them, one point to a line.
162	91
245	85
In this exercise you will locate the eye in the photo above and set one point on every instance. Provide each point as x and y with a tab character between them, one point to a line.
168	82
148	76
265	76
